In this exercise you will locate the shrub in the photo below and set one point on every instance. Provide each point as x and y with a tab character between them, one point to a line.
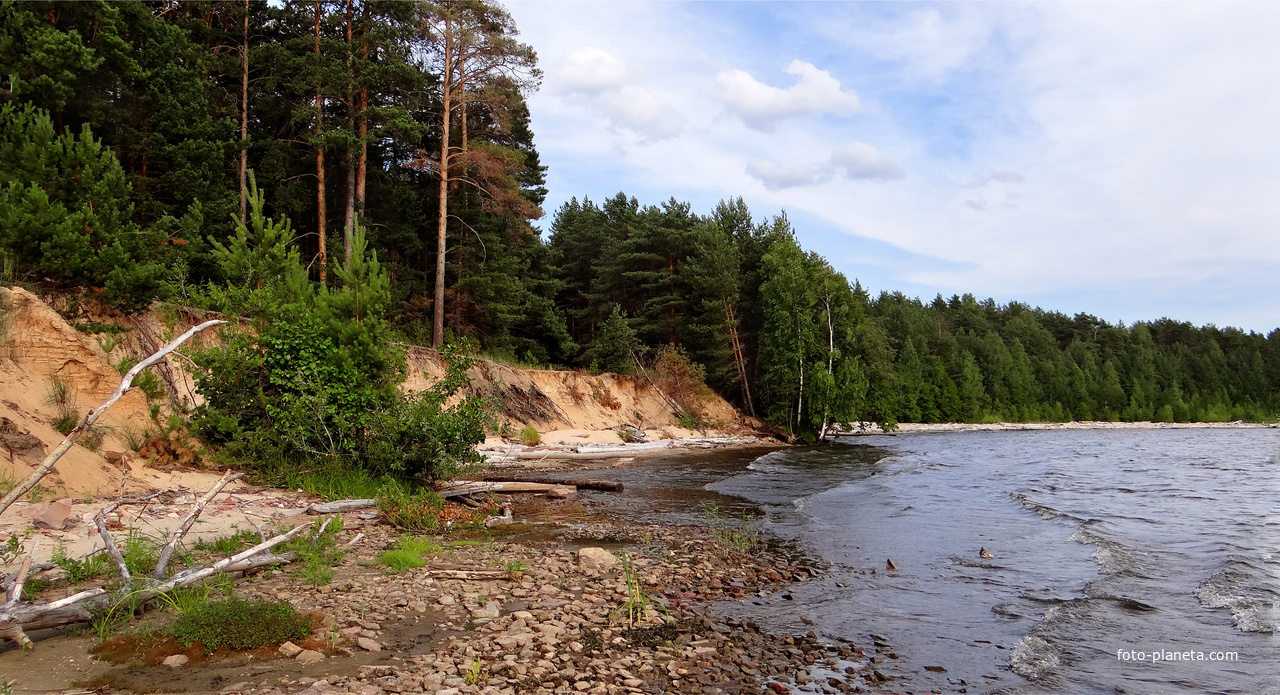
529	436
238	623
409	508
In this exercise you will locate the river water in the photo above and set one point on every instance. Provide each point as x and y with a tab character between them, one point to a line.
1108	546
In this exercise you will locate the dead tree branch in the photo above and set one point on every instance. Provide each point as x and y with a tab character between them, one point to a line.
92	416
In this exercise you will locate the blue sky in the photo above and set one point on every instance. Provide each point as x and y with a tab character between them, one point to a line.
1121	159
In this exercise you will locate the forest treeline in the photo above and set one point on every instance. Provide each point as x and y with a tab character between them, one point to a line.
400	130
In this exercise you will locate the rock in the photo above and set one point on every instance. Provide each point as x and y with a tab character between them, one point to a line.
633	682
368	645
289	650
446	600
176	660
596	560
488	611
561	492
55	516
19	443
309	656
418	606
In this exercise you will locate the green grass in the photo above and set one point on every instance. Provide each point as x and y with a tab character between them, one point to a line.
529	436
410	552
734	536
140	553
687	421
240	624
331	482
75	570
226	545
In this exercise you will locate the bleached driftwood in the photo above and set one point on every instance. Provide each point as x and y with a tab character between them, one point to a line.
18	616
471	488
46	466
341	506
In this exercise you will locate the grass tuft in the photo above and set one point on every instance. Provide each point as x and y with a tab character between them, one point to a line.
410	552
240	624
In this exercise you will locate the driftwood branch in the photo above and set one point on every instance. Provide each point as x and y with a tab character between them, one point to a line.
580	483
341	506
166	553
100	521
18	616
92	416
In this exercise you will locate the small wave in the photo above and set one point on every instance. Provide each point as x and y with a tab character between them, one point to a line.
1233	590
1111	557
1034	658
966	562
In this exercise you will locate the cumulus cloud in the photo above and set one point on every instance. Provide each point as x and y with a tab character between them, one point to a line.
862	161
856	160
636	108
776	177
591	69
761	106
602	82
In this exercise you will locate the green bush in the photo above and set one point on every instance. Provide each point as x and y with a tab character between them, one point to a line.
529	436
408	507
238	623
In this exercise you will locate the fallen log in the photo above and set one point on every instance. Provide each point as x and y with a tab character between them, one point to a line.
580	483
471	488
341	506
18	616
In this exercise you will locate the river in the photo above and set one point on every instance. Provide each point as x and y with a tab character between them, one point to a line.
1108	547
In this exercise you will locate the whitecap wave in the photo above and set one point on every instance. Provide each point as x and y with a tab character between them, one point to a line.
1251	610
1034	658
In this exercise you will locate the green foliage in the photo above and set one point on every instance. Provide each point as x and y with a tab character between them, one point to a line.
739	536
410	552
66	212
637	605
529	436
409	507
240	624
77	571
226	545
612	347
11	550
140	553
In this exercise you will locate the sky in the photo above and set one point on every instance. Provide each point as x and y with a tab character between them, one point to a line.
1119	159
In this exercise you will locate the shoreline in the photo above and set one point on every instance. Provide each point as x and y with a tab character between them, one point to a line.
552	627
929	428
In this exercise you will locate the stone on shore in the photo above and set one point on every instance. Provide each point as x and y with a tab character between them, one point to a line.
289	650
596	560
309	656
176	660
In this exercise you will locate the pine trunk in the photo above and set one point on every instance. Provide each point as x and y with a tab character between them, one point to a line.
349	223
321	257
437	337
244	118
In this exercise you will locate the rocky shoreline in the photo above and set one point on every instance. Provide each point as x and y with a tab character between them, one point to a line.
555	627
529	612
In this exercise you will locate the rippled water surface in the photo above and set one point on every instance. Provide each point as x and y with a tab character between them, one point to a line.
1103	541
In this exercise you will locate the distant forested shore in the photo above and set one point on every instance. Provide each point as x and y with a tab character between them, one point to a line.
134	134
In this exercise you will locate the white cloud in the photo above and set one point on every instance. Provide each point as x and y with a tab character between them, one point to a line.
600	81
761	106
862	161
856	160
590	69
776	177
637	109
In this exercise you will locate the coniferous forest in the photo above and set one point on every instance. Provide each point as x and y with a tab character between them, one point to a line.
373	162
